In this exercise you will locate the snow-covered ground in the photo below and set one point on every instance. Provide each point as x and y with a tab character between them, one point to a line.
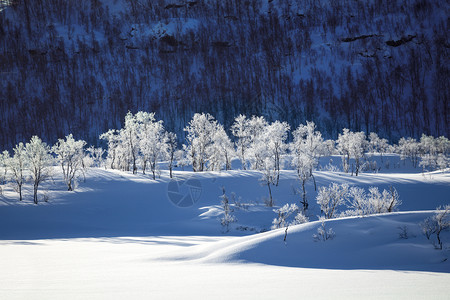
124	235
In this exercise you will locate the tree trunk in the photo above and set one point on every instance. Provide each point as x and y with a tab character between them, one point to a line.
314	180
243	159
20	191
357	166
270	195
134	165
438	236
304	202
35	194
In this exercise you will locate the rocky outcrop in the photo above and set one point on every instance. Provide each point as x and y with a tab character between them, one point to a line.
400	42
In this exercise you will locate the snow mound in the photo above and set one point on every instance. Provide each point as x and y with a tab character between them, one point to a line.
372	242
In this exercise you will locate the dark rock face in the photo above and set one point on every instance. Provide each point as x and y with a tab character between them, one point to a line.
400	42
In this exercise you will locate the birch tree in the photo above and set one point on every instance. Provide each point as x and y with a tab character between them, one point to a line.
70	155
17	164
40	160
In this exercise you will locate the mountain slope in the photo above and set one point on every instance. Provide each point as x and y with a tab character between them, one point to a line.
371	65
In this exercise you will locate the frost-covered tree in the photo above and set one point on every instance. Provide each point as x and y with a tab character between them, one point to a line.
17	164
329	198
266	151
145	135
306	149
152	141
221	150
70	155
302	163
377	144
39	162
208	146
269	177
96	154
343	146
171	149
358	203
351	145
409	148
4	159
357	147
434	152
130	138
200	132
258	142
436	224
269	143
329	147
241	131
112	139
277	133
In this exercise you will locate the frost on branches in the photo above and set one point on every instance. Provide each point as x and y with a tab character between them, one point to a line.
39	159
17	165
306	149
357	201
207	144
323	233
228	217
351	145
69	154
436	224
284	212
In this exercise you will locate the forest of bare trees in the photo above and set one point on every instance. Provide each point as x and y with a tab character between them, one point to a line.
79	67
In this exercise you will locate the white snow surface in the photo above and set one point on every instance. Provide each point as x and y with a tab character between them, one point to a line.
119	235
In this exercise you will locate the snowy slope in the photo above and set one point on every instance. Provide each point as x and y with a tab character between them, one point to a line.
371	242
113	203
121	268
121	235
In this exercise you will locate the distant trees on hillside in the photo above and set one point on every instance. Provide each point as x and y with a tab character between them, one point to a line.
79	67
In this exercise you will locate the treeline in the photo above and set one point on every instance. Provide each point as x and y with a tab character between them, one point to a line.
78	67
145	145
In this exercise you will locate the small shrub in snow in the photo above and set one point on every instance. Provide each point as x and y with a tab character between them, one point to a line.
361	203
284	213
330	167
238	203
436	224
404	233
227	218
323	233
300	218
329	198
45	196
